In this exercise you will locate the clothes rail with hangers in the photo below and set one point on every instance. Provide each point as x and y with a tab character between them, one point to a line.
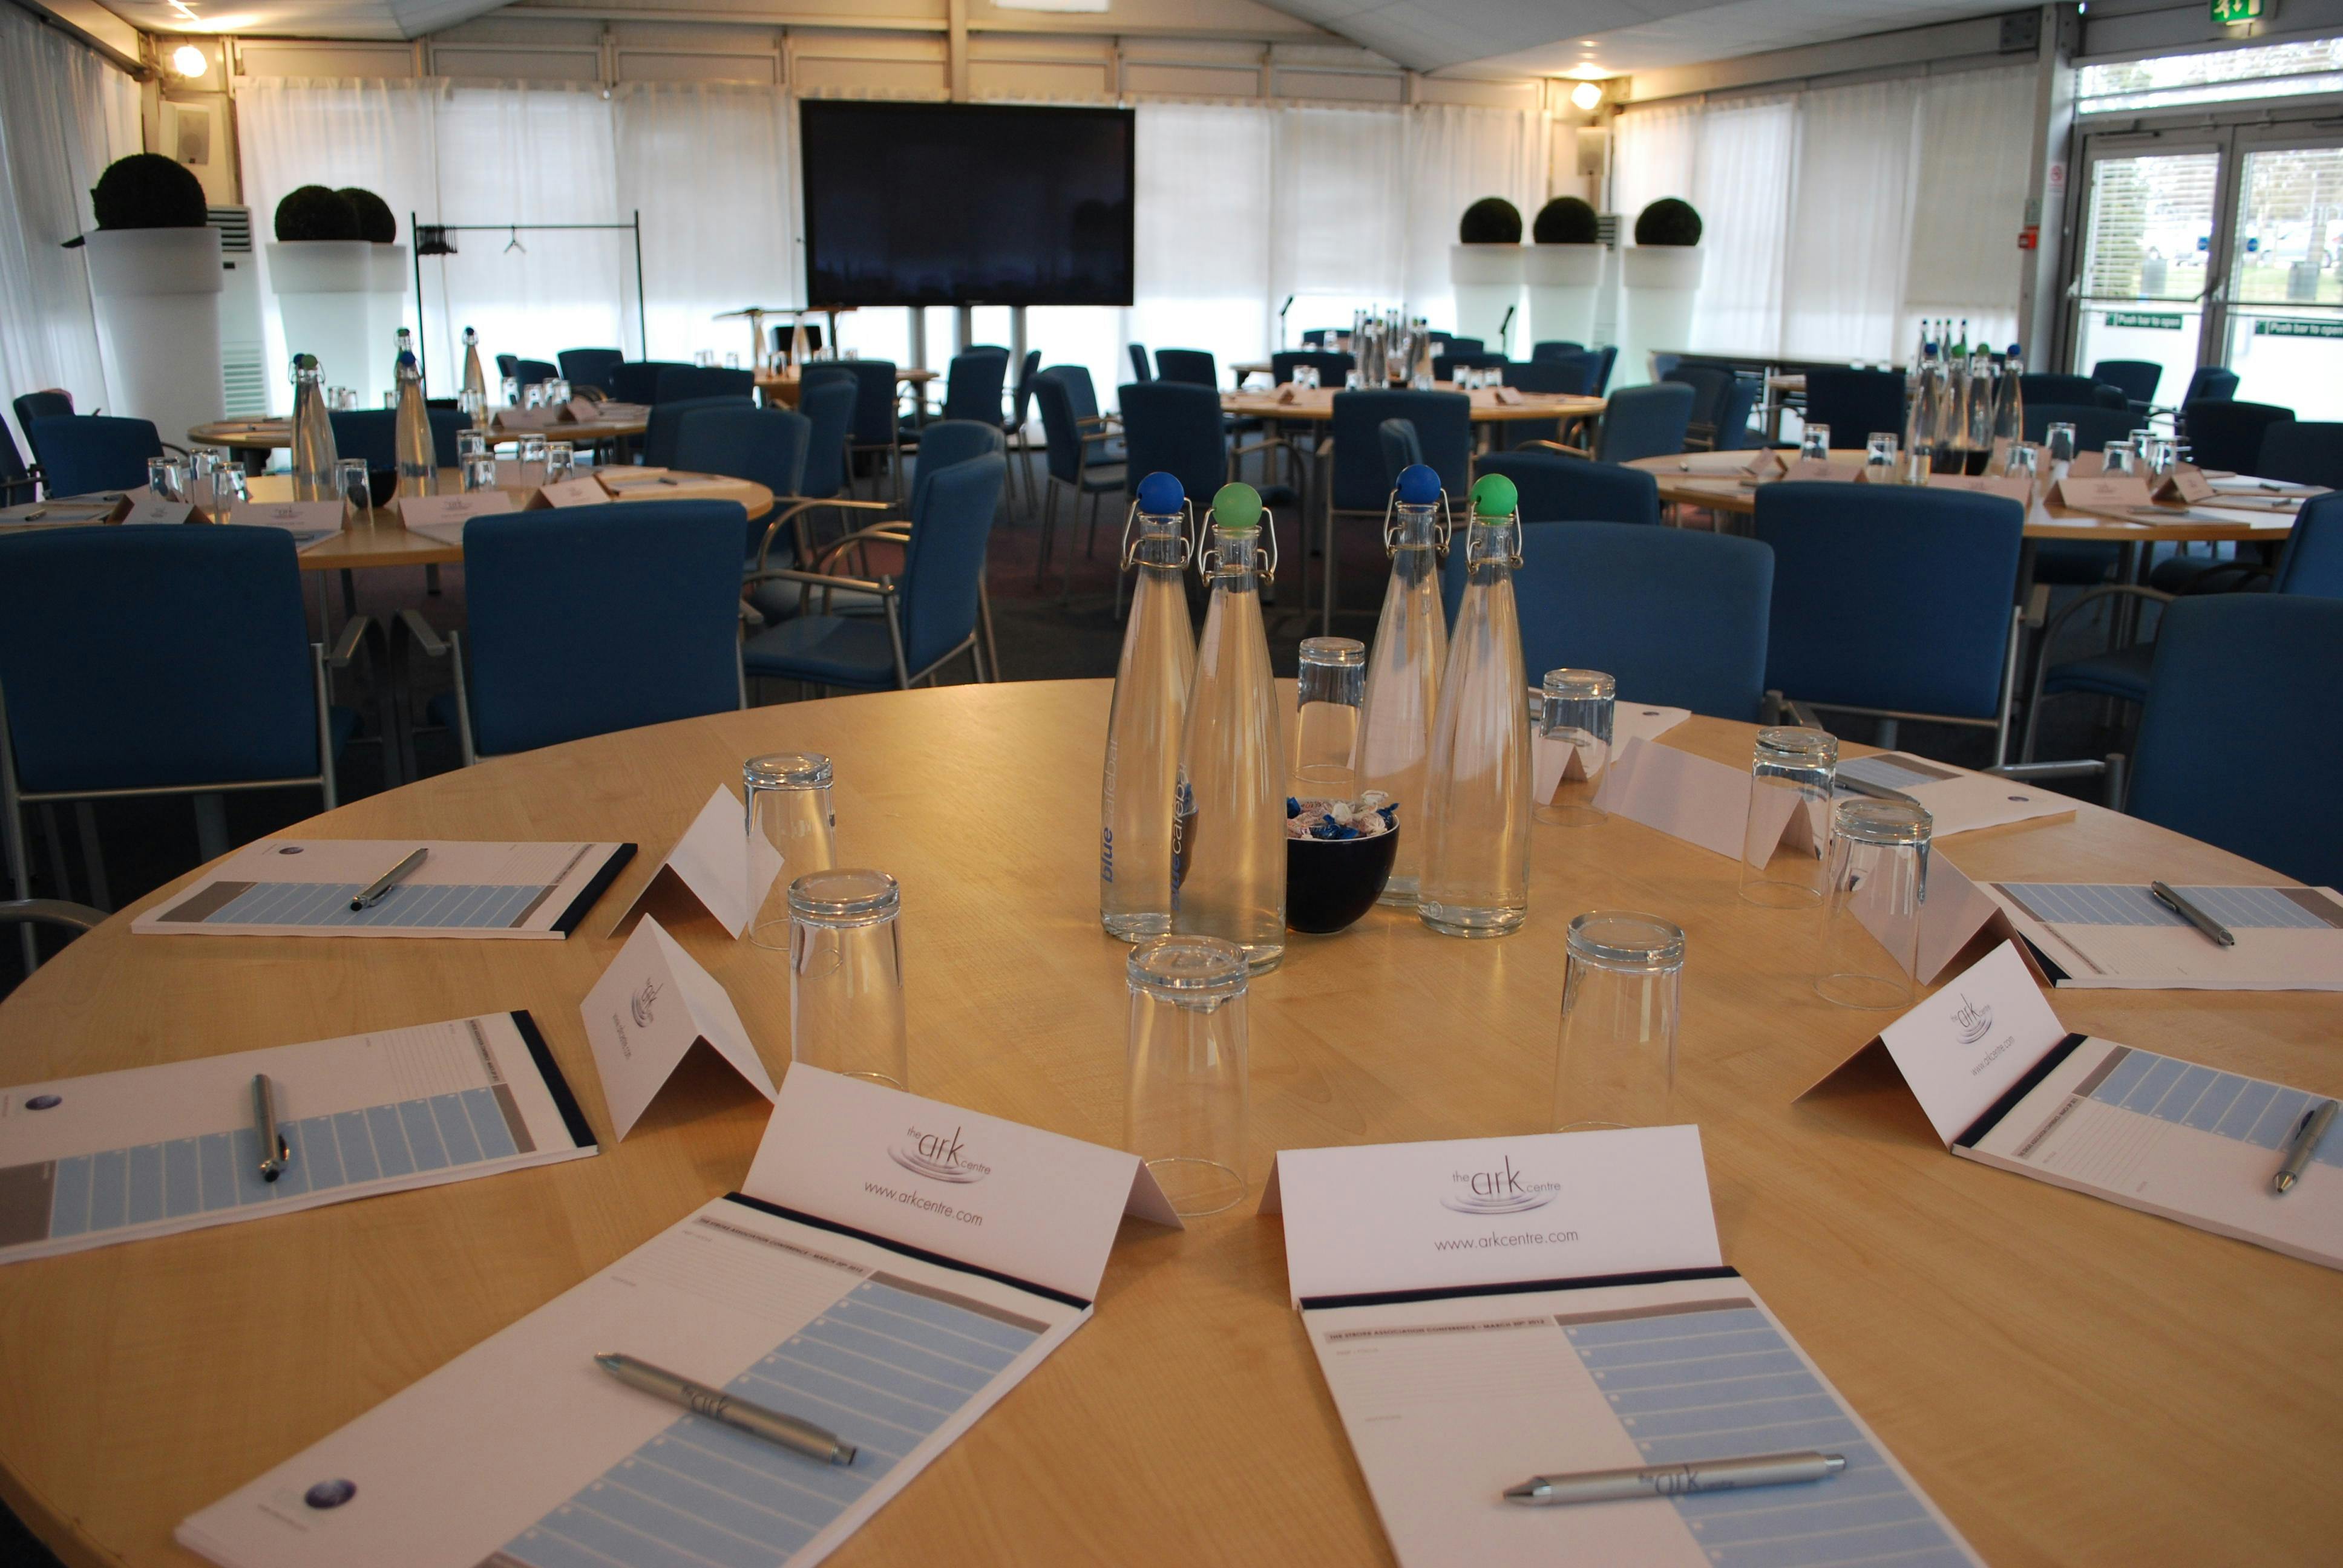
431	239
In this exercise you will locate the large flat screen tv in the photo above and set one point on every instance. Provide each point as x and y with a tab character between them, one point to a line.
966	204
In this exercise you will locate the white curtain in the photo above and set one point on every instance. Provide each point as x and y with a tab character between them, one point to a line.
1339	240
1741	189
1976	132
65	115
1456	156
1851	232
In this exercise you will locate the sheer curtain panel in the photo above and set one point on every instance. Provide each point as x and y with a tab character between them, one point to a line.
1976	142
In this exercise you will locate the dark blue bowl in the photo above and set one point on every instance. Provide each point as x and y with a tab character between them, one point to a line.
1331	882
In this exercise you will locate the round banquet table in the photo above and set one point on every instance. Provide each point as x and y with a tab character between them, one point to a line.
623	419
2074	1381
1316	405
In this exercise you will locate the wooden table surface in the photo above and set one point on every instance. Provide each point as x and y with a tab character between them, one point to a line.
272	435
1318	404
783	389
1715	480
2075	1382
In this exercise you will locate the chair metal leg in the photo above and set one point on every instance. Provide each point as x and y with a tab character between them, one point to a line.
431	581
984	618
211	826
12	825
93	858
1049	529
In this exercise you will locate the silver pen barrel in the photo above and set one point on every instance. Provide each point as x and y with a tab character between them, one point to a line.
1677	1480
742	1416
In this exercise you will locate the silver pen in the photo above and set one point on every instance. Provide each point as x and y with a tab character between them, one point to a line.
2303	1145
274	1152
2187	910
374	891
1676	1480
788	1431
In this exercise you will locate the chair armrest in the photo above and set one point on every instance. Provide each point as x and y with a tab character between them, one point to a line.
879	534
2106	590
51	913
355	633
417	631
1559	447
822	580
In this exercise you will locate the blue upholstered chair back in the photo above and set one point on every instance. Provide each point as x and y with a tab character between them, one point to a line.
1708	385
587	620
948	443
79	453
1062	444
972	384
1444	429
1555	348
1890	598
1610	356
1023	408
874	400
828	405
231	697
2136	378
2227	434
1401	451
1678	618
1855	403
1644	422
532	372
1569	375
372	434
1192	366
1450	343
679	382
2303	452
1733	411
2067	391
55	403
1140	370
1330	366
2094	427
2242	736
14	485
1172	427
637	380
665	423
943	565
508	364
2210	383
2314	550
1558	489
590	367
764	446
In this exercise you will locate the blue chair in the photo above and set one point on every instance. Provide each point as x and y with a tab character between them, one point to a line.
764	446
873	430
1080	455
665	426
637	380
372	435
1896	603
1602	370
1663	365
1562	374
16	481
2067	391
972	384
590	367
236	701
589	619
2210	383
55	403
933	613
1401	450
678	383
1449	343
1359	488
2225	434
1445	366
1555	348
1172	427
2303	452
1709	384
530	372
1140	370
1679	618
81	454
2094	427
2313	562
1558	489
827	404
1021	412
1192	366
2137	379
1644	422
2242	733
1733	411
509	366
1855	403
1332	367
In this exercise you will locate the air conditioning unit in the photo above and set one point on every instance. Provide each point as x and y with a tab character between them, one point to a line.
243	330
1609	227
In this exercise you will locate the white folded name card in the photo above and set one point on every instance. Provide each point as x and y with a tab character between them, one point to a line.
2104	493
712	862
2184	484
142	507
300	516
646	1012
581	492
426	514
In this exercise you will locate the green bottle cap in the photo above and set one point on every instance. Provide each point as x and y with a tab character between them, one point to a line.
1236	508
1494	495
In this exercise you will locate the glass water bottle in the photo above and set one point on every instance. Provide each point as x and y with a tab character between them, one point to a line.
1404	666
313	434
1141	794
475	400
418	469
1227	853
1476	856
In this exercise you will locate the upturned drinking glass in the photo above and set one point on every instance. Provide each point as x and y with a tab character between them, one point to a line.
532	462
1187	1094
789	810
1813	446
2116	458
479	471
1792	773
509	391
1879	457
1622	992
1334	681
163	478
354	485
846	975
560	461
1871	920
228	491
2058	442
1576	710
471	444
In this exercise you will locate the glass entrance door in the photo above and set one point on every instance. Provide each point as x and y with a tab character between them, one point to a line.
2282	312
2148	255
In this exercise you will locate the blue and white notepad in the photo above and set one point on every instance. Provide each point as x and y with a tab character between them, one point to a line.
2118	936
463	888
120	1156
1489	1309
522	1453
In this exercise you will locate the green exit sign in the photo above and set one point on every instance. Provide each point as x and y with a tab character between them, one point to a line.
2228	13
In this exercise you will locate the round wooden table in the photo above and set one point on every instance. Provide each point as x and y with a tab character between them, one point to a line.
781	391
2074	1381
622	419
1317	405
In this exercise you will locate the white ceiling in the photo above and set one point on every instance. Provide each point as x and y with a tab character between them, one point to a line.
387	20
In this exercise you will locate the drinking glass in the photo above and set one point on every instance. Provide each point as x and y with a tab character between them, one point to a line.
1186	1088
1615	1057
1492	376
2139	439
1791	775
560	461
556	392
1576	711
703	358
356	487
343	398
1350	382
731	362
203	465
1871	922
533	395
532	462
471	444
2116	457
2156	457
471	404
2058	442
790	812
1334	681
479	472
390	401
1814	448
163	478
846	975
228	490
509	391
1879	457
2024	458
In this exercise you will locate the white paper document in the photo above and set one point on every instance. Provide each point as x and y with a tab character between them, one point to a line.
442	517
718	862
121	1156
464	888
2114	935
1958	800
643	1017
522	1453
2004	1083
1582	1319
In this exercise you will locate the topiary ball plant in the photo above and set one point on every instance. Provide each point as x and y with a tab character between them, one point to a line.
1492	220
376	224
1567	220
147	190
1668	221
313	212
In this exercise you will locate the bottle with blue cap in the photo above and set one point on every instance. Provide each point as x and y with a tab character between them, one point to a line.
1476	817
1140	798
418	466
1227	856
1404	666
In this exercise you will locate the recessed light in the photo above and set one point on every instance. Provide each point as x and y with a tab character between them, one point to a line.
189	62
1587	96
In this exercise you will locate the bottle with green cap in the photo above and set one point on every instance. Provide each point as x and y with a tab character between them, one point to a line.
1476	817
313	433
1228	855
1403	668
418	467
1140	798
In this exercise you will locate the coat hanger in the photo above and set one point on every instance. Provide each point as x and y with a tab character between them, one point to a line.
514	243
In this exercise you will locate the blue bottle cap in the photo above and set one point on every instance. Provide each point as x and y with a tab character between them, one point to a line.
1419	485
1159	493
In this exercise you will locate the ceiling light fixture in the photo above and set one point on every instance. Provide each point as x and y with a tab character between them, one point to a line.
189	61
1587	96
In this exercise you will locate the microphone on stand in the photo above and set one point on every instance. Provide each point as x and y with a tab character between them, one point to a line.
1281	319
1505	328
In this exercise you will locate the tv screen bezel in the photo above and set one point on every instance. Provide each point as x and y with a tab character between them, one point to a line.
849	108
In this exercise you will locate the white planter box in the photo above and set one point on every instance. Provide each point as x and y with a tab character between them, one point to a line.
157	294
323	290
1563	282
1655	305
1662	266
1487	280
